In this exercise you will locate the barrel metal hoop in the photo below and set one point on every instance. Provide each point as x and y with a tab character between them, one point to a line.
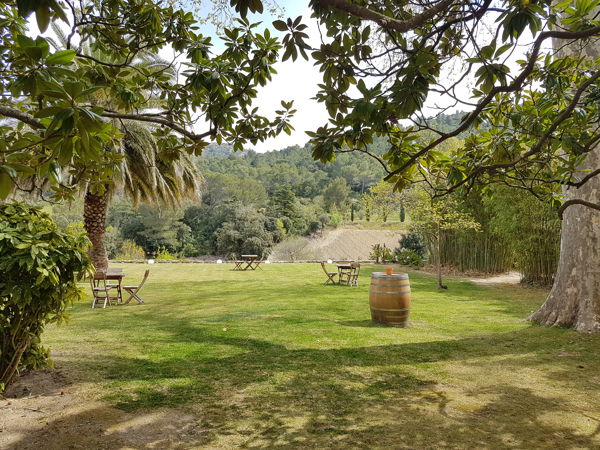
390	292
389	309
394	276
391	285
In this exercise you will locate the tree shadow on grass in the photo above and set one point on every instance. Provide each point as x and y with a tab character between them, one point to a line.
270	396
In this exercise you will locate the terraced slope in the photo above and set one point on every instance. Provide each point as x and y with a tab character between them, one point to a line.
338	244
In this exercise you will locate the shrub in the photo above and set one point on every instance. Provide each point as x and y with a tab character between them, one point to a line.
164	254
335	218
40	265
409	258
293	250
380	253
412	241
130	251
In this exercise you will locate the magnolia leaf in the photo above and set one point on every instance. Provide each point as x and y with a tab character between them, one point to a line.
61	58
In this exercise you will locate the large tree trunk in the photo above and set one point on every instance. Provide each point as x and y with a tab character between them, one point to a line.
95	208
574	300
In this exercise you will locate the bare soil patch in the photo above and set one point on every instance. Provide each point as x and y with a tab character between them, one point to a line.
43	410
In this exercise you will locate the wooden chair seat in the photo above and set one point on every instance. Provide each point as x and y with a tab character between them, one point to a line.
353	278
101	290
330	275
133	290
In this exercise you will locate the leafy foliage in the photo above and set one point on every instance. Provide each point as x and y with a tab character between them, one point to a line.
381	253
40	265
46	94
530	229
412	241
130	251
247	231
410	258
382	200
530	124
431	217
231	228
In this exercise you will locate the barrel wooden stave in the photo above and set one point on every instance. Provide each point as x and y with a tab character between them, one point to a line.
389	299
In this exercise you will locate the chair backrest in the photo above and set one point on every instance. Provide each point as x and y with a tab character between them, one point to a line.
145	278
356	268
98	279
324	268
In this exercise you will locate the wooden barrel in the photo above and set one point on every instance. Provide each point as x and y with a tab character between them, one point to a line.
389	298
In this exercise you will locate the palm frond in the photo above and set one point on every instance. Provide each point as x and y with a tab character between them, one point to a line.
145	177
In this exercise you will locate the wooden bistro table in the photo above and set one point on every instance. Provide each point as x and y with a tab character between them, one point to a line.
249	262
113	274
344	271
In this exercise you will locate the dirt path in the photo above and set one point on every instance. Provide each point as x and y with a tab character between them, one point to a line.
505	278
44	411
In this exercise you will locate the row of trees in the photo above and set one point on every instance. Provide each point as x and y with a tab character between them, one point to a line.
245	192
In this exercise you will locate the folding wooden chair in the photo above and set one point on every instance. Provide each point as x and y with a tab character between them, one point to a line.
330	275
353	278
133	290
101	290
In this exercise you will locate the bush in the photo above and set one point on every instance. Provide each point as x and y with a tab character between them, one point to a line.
164	254
335	218
412	241
409	258
130	251
40	266
380	253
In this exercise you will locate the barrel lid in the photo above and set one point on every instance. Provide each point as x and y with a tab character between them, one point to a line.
394	276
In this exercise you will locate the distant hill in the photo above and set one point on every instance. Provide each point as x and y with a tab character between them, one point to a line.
218	151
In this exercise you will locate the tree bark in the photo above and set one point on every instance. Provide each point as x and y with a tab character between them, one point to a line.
95	208
574	300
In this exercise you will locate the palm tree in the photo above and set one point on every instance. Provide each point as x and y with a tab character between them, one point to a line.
143	175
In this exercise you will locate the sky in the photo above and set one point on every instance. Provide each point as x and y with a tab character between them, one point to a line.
297	81
294	80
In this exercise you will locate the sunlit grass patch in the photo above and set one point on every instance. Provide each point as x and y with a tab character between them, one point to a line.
274	358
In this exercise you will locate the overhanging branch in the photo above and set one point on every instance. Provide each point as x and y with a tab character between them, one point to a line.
513	87
35	123
20	116
159	121
384	21
575	201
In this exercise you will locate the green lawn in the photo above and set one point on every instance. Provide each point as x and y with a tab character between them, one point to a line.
273	358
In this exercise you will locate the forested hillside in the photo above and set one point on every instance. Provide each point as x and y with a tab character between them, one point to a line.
253	201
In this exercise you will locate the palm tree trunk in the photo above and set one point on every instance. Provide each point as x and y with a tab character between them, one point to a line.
95	208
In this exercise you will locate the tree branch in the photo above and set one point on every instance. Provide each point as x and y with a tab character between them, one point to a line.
21	116
32	121
159	121
514	86
576	201
384	21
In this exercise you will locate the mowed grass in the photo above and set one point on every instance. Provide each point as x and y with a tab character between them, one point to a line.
273	358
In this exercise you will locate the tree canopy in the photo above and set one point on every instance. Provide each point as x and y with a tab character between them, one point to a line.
533	111
52	126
